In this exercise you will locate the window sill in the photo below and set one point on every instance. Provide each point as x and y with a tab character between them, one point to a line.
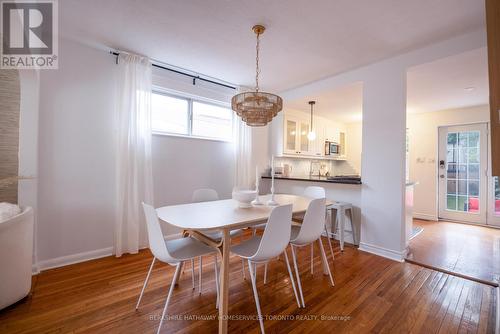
178	135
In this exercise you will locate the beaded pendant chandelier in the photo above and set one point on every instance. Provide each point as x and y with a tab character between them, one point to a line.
257	108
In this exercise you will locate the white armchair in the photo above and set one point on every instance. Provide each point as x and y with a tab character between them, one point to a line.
16	256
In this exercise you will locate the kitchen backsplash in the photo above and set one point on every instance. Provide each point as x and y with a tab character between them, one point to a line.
301	167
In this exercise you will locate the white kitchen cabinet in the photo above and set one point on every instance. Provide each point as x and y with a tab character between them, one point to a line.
289	131
295	139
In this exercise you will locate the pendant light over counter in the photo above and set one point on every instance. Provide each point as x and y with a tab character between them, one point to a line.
311	135
257	108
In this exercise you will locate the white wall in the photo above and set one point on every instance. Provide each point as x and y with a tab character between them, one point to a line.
423	150
76	154
383	148
354	143
76	181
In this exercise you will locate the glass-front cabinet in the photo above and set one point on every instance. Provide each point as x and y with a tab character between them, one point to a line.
296	141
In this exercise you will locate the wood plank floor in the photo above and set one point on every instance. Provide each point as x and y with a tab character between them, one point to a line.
468	250
371	295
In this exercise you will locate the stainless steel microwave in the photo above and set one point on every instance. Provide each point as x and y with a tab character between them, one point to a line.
332	148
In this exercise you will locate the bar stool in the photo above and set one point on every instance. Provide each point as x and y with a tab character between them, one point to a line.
339	211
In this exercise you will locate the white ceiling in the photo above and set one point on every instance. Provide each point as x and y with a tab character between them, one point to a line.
305	40
439	85
442	84
344	104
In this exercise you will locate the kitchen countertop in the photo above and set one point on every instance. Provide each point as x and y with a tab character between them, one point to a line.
313	179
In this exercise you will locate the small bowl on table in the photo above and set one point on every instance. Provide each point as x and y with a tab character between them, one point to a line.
244	197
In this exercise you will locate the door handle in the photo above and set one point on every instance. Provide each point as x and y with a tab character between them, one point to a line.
441	176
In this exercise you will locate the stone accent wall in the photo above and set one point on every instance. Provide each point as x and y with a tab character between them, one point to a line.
9	133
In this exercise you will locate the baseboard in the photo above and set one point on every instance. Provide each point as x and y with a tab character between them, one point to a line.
74	258
425	216
82	257
381	251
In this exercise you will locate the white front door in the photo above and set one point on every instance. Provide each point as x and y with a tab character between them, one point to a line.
463	173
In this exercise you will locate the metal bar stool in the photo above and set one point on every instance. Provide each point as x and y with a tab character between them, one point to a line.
339	211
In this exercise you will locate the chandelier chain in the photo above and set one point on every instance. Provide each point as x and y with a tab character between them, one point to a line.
257	67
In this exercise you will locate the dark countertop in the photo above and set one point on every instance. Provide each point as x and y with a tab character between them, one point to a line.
313	179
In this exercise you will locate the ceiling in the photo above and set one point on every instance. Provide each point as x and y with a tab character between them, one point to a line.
304	41
343	104
453	82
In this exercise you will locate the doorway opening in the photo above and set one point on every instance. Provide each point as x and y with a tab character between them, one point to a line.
456	200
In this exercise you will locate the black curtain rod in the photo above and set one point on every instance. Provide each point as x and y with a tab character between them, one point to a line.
194	77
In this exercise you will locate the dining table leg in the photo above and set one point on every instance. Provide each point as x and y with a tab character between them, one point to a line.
224	288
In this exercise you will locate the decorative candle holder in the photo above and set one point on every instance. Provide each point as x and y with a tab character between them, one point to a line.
271	201
257	201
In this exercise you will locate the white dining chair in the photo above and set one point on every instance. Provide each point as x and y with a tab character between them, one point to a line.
309	232
316	192
173	252
209	195
262	249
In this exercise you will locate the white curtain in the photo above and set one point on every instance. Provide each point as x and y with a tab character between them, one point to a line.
243	173
134	170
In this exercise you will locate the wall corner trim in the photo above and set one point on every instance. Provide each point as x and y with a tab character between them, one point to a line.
384	252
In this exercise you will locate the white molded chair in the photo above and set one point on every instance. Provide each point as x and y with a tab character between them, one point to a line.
261	249
310	231
316	192
204	195
173	252
208	195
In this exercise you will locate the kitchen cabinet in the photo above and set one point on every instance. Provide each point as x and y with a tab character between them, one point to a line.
289	131
295	136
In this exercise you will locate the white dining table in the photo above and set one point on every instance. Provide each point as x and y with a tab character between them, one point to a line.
224	216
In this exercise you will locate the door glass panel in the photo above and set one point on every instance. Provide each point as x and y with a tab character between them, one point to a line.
304	141
451	203
452	171
452	155
463	176
291	129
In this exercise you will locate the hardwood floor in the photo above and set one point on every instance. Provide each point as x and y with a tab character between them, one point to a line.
468	250
371	294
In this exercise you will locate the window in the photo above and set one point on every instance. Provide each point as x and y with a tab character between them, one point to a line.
169	114
189	117
212	121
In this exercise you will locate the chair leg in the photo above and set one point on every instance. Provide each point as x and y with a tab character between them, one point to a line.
200	273
312	259
216	281
265	273
329	242
145	282
341	219
243	269
256	296
298	276
192	272
325	261
177	269
291	278
354	234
